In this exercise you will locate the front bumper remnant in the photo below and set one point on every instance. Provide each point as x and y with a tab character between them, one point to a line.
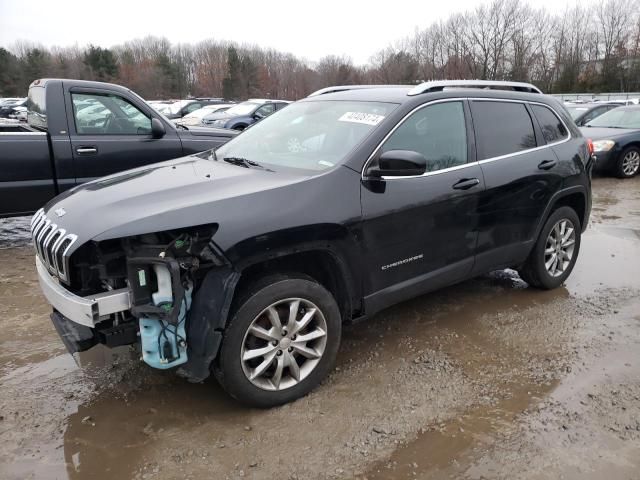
87	311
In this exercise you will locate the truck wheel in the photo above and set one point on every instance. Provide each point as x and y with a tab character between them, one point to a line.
629	163
555	252
280	343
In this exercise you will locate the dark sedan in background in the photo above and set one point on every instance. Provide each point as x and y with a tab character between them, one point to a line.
616	141
583	113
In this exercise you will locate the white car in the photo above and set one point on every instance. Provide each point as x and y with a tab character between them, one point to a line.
195	117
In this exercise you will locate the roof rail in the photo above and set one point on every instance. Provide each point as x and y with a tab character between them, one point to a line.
439	85
344	88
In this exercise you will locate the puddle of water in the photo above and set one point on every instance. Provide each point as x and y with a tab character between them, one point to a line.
434	451
15	232
609	257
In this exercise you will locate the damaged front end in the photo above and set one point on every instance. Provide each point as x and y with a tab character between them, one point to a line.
169	292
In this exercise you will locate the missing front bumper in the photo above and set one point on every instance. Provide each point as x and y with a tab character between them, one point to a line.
87	311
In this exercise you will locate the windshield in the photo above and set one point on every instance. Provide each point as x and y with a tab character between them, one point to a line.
618	118
244	108
575	112
312	135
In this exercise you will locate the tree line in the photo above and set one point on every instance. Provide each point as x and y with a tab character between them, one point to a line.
591	47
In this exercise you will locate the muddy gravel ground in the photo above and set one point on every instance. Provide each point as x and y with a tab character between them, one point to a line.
486	379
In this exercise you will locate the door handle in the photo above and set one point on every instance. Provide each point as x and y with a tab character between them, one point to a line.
86	150
466	184
547	164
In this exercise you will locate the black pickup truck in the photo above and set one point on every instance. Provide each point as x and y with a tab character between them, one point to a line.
77	131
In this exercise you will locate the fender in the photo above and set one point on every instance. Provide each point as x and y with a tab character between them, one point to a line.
341	241
557	196
211	306
206	321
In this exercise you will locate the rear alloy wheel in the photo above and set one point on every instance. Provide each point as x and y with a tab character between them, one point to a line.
629	163
281	342
555	252
559	248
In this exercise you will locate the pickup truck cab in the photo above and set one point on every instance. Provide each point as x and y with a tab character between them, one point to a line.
245	261
77	131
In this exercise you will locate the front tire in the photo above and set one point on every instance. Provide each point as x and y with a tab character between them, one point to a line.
629	163
555	252
280	343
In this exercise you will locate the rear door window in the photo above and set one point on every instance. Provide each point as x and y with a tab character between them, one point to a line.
553	130
502	128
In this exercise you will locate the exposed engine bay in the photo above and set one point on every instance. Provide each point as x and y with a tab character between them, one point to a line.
162	272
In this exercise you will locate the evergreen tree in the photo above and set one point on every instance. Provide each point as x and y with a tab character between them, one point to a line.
101	62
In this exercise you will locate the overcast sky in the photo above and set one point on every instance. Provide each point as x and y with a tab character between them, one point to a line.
307	29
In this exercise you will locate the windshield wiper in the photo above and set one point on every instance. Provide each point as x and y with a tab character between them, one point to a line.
242	162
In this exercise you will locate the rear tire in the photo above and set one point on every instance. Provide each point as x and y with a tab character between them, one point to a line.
629	163
555	252
269	355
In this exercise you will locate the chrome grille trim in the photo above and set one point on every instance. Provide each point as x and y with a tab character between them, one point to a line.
47	241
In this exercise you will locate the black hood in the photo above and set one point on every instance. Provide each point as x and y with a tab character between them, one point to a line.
178	193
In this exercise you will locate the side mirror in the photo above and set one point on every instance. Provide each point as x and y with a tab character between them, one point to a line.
399	163
157	128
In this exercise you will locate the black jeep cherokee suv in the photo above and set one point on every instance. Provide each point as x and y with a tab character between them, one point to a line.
247	260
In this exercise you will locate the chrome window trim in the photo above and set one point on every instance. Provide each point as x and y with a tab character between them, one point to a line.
468	164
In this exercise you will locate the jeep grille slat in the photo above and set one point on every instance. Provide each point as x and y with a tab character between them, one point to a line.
51	244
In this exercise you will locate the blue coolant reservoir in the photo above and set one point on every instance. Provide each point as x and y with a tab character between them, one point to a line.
165	345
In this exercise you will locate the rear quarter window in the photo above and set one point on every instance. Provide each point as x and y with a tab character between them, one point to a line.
36	108
553	130
501	128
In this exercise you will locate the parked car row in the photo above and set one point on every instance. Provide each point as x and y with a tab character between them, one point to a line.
244	114
196	117
216	112
14	108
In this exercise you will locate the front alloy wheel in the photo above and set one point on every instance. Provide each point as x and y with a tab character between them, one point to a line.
281	341
283	344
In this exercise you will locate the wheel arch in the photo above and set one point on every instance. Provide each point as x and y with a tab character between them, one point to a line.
575	197
321	262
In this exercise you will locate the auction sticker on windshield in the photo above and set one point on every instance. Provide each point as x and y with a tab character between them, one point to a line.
361	117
